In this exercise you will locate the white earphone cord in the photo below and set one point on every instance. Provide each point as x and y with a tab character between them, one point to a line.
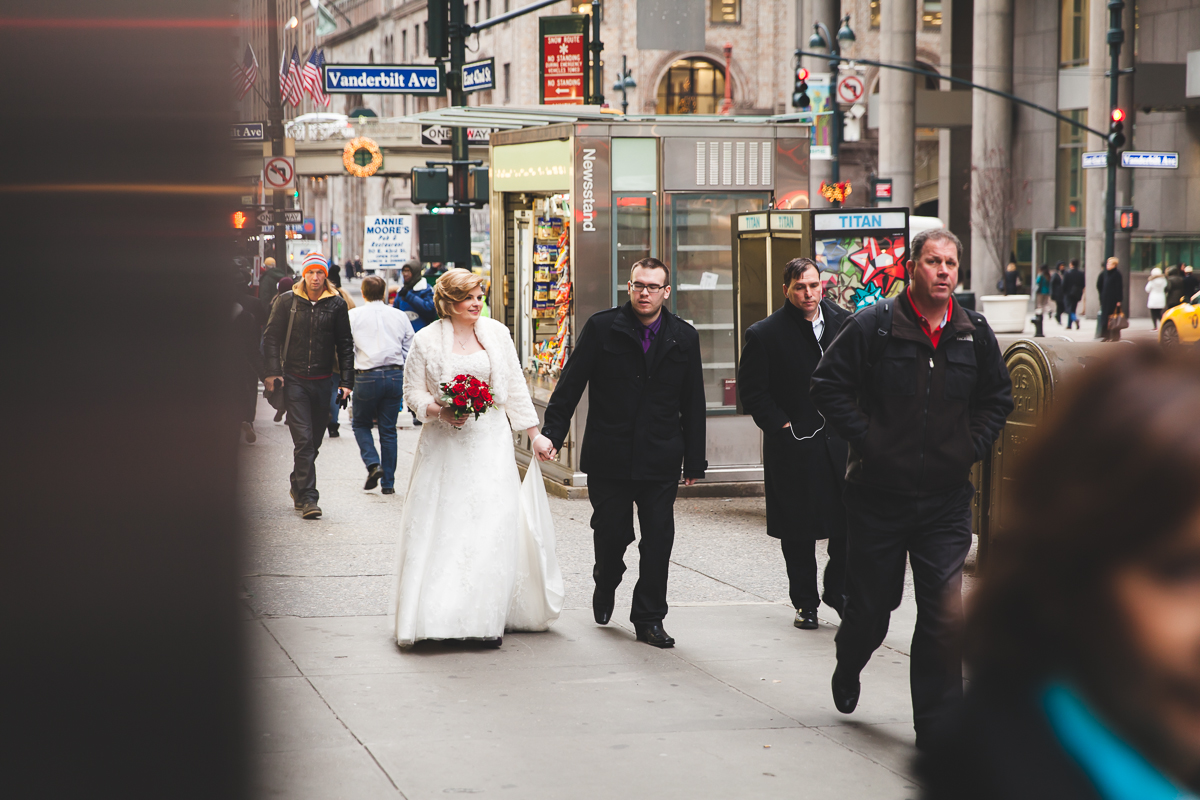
792	428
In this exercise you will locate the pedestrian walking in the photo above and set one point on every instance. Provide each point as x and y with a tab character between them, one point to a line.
415	296
1156	295
307	328
918	388
1012	280
465	546
1084	630
1074	282
268	282
1041	302
335	401
382	338
1056	292
248	369
1175	291
646	420
1112	290
1191	282
804	462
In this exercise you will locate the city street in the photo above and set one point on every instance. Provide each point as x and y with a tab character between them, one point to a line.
740	707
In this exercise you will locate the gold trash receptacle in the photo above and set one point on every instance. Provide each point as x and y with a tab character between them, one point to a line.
1037	368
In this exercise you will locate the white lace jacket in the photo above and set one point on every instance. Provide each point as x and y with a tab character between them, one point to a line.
428	366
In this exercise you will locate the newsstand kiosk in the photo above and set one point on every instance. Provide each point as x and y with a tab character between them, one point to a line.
575	204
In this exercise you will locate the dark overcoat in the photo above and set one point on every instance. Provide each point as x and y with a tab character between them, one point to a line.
646	412
803	479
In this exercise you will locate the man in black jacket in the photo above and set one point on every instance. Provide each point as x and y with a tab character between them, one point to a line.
646	412
1112	291
1074	283
804	462
307	324
918	388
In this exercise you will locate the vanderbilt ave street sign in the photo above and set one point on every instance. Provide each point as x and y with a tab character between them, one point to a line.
383	79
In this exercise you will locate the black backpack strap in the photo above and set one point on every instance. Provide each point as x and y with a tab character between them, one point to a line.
881	319
979	321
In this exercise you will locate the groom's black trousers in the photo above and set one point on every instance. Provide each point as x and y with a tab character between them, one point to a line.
612	531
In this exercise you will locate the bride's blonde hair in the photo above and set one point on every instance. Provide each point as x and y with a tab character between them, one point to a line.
453	287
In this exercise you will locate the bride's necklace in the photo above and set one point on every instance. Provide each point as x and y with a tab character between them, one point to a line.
460	344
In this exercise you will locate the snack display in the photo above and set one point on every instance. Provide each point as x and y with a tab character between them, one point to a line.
551	354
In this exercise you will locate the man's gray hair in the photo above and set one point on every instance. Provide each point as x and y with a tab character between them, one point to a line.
936	234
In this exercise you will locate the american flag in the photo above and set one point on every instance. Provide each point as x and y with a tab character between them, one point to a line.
295	80
312	77
245	76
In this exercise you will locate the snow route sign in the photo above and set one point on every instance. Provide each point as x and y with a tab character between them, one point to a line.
564	42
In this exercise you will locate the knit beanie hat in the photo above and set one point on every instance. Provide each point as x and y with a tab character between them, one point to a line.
315	260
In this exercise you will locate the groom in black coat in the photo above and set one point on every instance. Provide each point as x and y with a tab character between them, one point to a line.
804	461
645	422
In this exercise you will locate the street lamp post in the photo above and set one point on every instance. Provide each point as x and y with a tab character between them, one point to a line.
1115	36
275	131
844	34
623	84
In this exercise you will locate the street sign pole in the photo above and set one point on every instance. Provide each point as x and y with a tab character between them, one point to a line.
275	124
1116	35
459	142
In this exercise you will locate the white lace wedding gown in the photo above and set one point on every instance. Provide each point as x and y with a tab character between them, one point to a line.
458	574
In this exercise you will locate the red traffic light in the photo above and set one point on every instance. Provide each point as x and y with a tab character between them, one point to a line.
1118	115
239	220
801	74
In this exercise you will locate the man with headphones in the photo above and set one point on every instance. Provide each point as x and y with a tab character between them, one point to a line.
804	461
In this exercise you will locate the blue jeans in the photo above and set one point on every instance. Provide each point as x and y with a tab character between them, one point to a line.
378	395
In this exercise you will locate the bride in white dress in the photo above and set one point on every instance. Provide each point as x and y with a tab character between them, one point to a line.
464	550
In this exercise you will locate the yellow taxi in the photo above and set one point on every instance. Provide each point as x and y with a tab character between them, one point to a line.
1181	324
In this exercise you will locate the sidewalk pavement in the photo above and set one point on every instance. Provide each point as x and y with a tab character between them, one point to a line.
740	707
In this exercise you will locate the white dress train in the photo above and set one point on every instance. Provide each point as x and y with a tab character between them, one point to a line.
476	549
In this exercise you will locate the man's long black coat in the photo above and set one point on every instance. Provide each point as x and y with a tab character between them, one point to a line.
803	479
646	412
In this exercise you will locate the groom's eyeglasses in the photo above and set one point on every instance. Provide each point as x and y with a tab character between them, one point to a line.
649	288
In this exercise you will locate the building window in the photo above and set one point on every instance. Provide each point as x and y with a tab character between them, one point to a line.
875	13
417	42
1070	186
931	17
404	46
692	86
505	6
726	12
1073	46
476	12
487	9
507	83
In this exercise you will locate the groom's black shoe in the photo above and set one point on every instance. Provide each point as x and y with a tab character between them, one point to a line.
602	604
653	635
845	692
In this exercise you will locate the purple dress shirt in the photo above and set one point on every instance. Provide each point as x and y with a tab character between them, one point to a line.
649	332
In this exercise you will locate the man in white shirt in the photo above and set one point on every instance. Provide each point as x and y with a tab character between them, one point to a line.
382	337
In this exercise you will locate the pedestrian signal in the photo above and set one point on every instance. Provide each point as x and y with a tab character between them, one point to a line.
1127	219
1116	130
800	91
239	220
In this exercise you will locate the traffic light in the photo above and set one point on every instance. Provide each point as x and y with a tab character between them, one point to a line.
240	219
1127	218
437	33
800	91
1116	130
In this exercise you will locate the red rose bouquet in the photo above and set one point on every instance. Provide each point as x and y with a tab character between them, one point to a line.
465	395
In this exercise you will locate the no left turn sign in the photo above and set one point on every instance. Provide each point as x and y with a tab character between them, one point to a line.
279	172
850	89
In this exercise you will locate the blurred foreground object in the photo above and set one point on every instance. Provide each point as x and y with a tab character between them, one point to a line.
118	579
1083	635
